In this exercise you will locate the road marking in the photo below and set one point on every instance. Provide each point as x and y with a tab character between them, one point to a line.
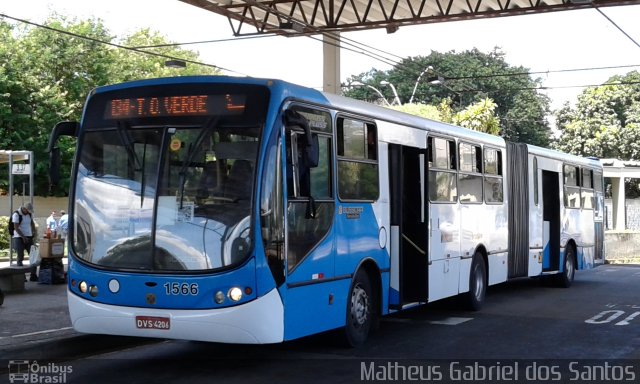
612	315
37	333
609	316
628	319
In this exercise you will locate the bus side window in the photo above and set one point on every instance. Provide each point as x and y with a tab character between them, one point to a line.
571	186
470	176
587	195
493	186
442	175
357	160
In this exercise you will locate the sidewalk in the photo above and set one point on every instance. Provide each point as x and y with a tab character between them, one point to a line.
37	314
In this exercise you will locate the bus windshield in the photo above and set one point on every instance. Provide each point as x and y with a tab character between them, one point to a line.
166	197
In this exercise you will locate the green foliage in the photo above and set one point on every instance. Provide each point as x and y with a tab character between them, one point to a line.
356	88
45	77
4	232
605	122
422	110
470	77
479	117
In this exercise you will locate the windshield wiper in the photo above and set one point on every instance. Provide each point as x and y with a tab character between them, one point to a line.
127	142
143	178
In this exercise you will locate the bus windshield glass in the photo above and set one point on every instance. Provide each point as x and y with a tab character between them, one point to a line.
166	192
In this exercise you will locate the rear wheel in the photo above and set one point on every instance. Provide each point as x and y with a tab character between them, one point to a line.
360	310
565	278
477	283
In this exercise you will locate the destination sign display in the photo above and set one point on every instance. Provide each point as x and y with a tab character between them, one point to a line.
182	105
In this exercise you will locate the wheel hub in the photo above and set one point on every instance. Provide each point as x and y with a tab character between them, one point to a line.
359	306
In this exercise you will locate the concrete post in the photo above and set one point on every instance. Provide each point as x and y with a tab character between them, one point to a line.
618	203
331	63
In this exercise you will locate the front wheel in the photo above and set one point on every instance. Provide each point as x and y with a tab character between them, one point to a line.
360	310
477	283
565	278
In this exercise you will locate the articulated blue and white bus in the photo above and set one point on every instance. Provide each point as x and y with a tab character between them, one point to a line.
245	210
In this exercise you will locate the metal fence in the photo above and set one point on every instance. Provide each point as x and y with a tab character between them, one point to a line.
631	215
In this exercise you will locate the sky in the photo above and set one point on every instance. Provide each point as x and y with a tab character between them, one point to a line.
541	42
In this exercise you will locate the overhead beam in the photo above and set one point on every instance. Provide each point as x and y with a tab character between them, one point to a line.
251	17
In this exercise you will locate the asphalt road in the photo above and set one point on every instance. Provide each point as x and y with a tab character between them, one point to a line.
528	331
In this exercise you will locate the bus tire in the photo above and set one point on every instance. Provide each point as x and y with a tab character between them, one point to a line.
477	283
565	278
360	307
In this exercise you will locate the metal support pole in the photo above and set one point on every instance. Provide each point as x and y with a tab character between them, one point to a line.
10	205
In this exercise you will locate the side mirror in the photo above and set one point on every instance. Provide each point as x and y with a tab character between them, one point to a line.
64	128
54	168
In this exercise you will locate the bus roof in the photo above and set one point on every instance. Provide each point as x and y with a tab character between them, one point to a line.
286	89
391	115
566	157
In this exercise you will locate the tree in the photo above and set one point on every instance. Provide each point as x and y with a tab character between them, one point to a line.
422	110
364	86
46	75
605	122
470	77
479	116
135	65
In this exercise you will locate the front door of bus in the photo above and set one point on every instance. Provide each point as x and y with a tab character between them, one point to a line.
310	210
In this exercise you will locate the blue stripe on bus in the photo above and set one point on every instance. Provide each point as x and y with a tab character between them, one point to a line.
175	291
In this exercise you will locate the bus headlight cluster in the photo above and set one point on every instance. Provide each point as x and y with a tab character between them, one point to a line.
234	294
84	287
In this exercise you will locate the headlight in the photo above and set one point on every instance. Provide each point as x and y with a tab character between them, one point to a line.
235	294
219	297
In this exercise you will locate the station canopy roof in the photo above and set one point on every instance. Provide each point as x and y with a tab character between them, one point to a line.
308	17
8	156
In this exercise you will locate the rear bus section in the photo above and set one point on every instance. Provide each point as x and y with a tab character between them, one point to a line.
566	214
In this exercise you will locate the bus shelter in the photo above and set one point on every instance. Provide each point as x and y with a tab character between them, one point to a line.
20	163
618	170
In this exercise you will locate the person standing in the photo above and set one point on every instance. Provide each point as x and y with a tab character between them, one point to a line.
52	223
24	228
63	224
